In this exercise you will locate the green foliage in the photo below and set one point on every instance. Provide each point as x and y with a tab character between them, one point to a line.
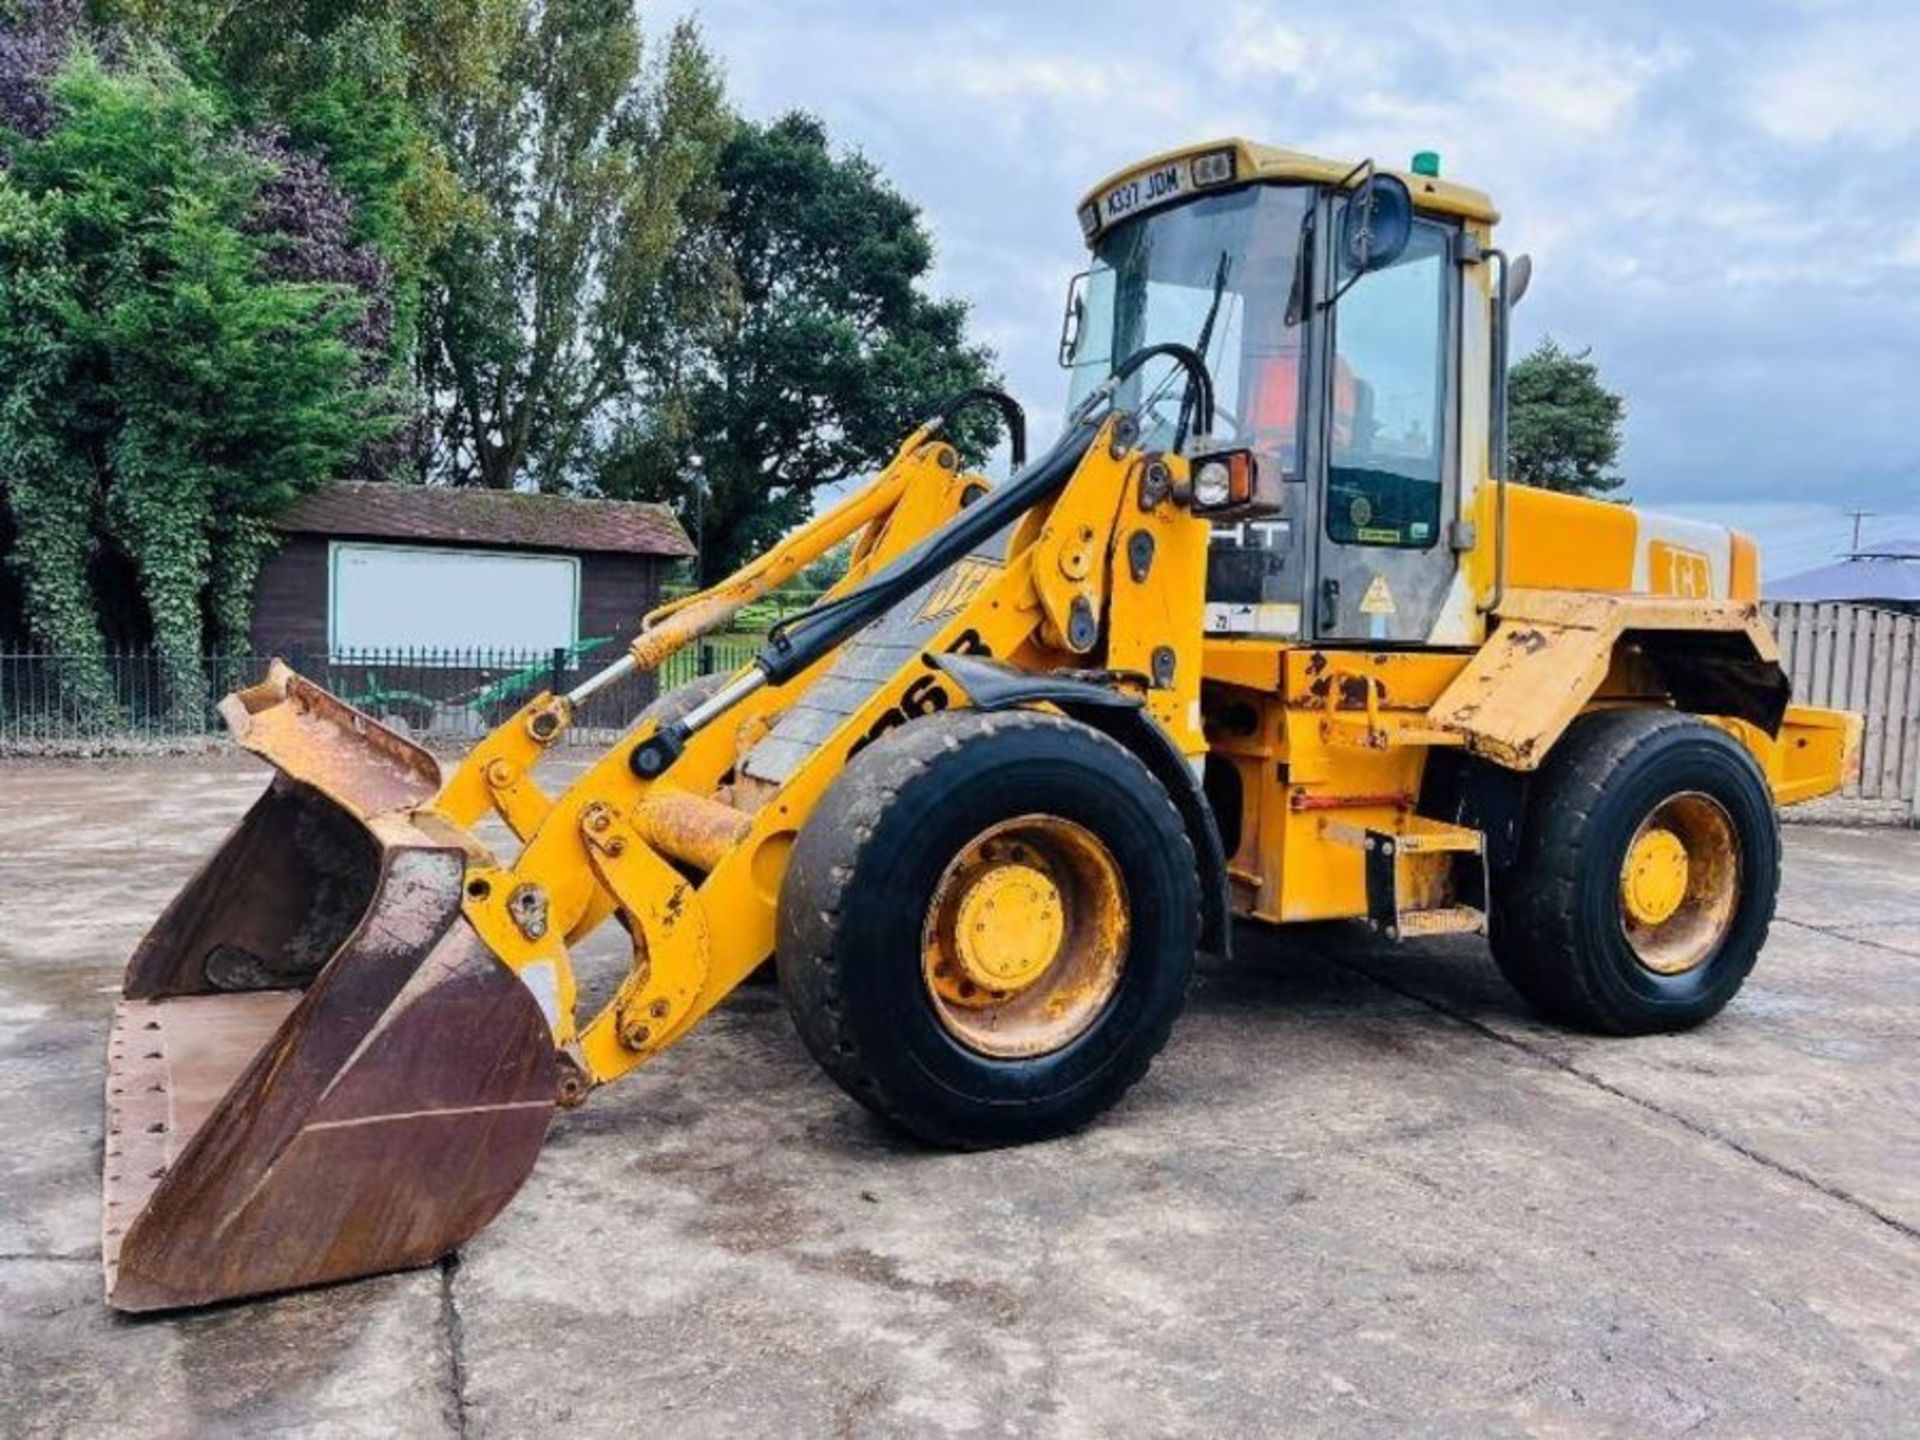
580	170
829	569
1564	426
806	345
353	82
172	393
49	490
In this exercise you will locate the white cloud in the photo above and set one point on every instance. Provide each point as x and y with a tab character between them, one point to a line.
1908	251
1567	81
1254	44
1846	82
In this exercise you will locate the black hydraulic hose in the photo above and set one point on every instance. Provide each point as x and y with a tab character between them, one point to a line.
1010	410
1199	387
797	642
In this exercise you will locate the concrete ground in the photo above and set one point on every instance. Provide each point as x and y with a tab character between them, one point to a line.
1362	1192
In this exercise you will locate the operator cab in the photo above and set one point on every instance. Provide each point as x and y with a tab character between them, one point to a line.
1336	362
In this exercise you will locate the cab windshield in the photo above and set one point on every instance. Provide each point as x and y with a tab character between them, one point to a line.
1217	274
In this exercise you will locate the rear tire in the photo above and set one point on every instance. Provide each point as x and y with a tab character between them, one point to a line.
870	885
1569	933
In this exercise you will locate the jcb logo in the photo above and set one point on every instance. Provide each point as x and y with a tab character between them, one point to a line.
959	586
1676	570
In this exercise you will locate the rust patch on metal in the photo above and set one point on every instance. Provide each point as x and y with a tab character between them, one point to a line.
690	828
318	739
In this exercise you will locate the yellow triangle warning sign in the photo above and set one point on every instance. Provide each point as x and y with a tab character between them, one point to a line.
1379	599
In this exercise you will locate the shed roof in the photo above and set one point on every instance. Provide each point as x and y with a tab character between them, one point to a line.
1888	571
465	516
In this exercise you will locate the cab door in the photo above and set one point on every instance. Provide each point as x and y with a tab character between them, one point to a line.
1388	445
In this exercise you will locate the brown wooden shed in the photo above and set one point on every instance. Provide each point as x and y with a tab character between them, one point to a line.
370	567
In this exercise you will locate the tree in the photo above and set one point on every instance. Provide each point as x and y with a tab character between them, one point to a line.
350	85
821	348
1564	426
167	391
578	170
34	38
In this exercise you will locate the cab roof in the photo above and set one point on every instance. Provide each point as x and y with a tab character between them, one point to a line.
1272	163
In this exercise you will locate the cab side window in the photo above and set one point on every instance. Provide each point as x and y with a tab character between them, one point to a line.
1388	401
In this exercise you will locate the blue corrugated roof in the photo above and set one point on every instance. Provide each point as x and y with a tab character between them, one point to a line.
1887	571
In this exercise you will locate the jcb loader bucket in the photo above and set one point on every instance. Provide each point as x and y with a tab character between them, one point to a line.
318	1070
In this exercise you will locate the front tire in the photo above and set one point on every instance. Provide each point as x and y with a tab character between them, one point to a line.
1648	872
988	925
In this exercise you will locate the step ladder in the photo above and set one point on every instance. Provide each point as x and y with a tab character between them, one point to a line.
1424	876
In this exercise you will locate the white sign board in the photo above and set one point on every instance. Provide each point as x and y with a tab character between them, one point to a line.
401	597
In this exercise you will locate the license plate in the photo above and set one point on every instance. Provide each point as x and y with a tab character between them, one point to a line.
1159	186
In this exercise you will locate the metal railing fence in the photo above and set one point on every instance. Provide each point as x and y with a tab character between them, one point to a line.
1854	657
49	702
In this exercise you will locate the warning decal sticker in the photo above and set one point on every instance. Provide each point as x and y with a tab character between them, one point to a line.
1379	599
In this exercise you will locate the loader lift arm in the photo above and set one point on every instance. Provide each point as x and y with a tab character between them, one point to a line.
357	965
921	482
636	829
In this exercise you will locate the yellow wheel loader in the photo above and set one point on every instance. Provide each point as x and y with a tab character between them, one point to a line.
1264	634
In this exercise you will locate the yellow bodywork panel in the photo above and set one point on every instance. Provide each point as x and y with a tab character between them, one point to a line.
1555	541
1549	655
1326	743
1816	752
1323	742
1273	163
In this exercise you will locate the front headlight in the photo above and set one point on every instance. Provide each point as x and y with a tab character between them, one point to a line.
1212	485
1231	485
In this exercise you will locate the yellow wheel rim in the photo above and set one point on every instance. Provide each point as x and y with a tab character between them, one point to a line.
1025	937
1680	883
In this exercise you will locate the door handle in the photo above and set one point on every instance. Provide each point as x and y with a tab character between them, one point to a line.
1329	604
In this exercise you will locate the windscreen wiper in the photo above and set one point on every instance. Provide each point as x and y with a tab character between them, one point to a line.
1205	339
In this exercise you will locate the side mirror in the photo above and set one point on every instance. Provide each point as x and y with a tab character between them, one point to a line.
1074	320
1377	224
1518	279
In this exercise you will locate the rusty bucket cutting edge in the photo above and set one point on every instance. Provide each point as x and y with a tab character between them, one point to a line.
319	1070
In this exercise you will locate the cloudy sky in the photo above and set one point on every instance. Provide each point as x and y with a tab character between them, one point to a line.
1722	197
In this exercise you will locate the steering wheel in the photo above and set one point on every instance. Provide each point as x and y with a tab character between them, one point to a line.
1151	415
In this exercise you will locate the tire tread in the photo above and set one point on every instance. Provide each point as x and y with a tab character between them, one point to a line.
844	827
1537	907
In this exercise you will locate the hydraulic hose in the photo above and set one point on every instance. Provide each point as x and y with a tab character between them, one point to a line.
1011	414
1199	387
799	641
796	643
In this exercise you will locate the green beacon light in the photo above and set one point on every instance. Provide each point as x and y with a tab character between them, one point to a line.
1427	163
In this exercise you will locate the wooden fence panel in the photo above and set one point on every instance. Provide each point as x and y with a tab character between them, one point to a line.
1860	657
1893	744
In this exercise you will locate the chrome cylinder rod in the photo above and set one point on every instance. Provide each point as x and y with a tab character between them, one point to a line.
599	681
724	699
